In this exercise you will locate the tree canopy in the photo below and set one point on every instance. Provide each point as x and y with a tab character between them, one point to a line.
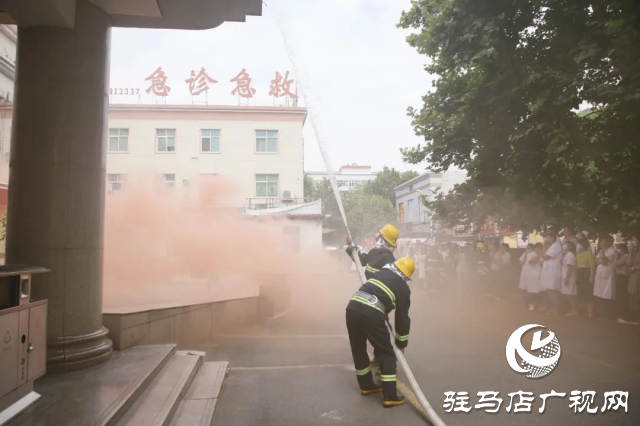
368	206
539	101
386	181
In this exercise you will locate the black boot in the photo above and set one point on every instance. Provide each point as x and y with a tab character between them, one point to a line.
393	400
368	385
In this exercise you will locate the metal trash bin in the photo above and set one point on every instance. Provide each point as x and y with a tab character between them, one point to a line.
23	340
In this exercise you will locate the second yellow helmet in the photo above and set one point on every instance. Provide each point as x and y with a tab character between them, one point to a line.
390	234
406	266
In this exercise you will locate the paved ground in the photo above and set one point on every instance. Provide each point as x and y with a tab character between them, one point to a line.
297	370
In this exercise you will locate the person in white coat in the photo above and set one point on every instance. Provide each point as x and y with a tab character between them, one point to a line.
551	274
604	286
524	260
530	275
569	273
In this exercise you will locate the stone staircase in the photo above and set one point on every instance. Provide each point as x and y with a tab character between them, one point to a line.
181	391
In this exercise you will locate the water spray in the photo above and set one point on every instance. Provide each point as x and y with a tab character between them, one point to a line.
428	410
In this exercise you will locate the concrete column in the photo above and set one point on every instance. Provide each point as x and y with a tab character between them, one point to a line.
57	179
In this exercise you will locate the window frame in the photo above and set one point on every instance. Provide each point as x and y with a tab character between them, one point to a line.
255	142
219	151
165	181
120	181
119	136
175	141
255	186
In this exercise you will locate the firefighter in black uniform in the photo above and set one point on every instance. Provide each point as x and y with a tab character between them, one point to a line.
376	259
381	254
367	316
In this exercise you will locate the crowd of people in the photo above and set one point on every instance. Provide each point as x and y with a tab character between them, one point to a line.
561	275
601	285
551	272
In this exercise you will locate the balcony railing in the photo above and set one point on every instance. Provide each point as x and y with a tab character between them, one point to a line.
271	203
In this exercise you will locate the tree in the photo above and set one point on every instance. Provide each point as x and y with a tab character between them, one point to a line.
386	181
368	207
366	213
322	190
309	187
511	77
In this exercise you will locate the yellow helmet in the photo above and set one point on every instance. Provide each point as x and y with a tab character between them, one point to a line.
481	245
390	234
406	266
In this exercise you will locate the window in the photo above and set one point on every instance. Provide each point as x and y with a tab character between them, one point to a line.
210	140
118	140
116	182
169	180
266	185
166	140
349	184
267	141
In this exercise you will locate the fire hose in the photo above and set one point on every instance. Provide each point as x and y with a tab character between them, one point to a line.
426	407
428	410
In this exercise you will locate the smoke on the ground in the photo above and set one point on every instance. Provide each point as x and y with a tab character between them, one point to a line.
170	245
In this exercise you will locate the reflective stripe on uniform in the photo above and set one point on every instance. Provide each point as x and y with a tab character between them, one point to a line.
363	371
371	269
384	288
366	302
388	377
402	338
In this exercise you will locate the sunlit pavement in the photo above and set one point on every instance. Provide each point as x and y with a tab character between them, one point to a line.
296	370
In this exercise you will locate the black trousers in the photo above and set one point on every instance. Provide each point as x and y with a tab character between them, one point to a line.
362	328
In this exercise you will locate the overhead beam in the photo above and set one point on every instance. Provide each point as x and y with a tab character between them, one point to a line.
38	13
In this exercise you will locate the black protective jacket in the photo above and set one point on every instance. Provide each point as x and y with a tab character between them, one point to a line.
373	261
394	293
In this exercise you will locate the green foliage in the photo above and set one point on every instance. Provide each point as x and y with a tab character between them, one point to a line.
368	207
385	181
322	190
511	77
309	187
368	213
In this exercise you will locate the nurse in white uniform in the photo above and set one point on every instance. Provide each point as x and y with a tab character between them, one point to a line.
531	262
551	274
604	286
569	283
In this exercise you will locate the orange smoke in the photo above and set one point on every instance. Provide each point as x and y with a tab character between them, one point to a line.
167	245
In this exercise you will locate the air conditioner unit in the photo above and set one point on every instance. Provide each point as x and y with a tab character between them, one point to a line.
286	194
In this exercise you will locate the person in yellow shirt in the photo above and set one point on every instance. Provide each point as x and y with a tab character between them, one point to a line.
586	273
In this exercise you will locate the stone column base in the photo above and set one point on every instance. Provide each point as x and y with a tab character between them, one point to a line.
77	352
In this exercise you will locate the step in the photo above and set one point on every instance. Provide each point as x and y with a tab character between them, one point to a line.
100	395
158	403
198	405
154	358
